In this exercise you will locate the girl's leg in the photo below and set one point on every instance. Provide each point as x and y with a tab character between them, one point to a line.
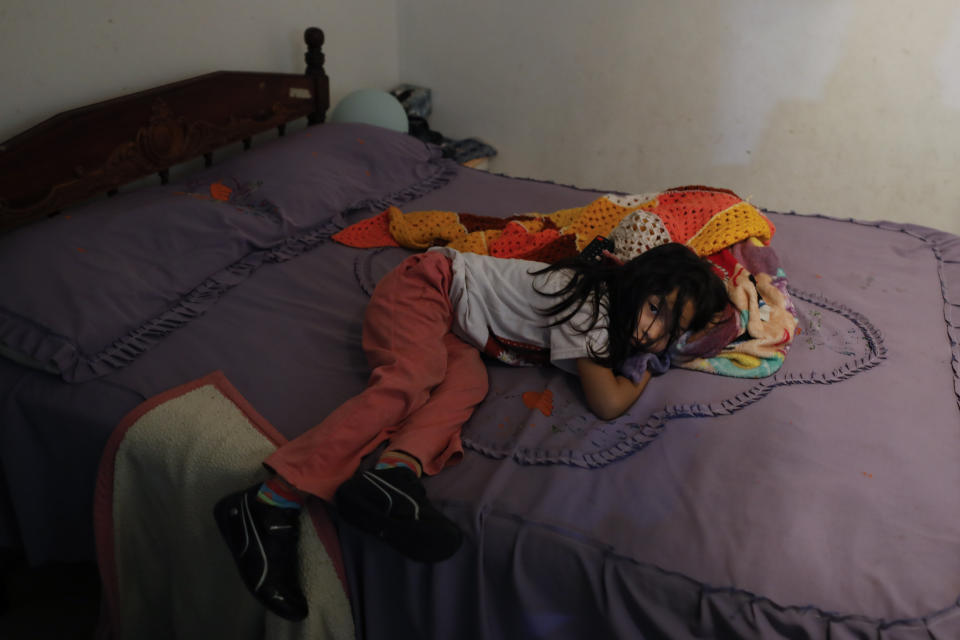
404	337
389	501
431	434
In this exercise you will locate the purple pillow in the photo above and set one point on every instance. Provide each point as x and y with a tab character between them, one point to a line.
86	292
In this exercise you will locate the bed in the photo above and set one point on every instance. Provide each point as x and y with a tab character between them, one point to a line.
158	343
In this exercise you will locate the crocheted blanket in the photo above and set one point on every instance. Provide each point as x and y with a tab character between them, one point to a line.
754	335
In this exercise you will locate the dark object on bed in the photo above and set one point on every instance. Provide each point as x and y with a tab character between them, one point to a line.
817	502
418	103
594	250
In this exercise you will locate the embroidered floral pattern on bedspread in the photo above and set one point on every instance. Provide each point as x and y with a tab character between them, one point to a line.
572	435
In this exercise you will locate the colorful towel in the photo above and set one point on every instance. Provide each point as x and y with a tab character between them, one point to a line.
754	335
166	571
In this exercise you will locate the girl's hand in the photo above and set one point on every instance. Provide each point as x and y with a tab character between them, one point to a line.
608	395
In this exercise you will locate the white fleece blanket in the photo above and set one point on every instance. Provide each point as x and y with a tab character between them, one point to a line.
166	571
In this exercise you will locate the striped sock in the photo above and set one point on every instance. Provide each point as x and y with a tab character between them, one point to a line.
278	492
393	459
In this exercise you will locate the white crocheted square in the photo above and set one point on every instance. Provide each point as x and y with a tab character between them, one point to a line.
638	232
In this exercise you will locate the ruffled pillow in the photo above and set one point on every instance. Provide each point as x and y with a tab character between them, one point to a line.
86	292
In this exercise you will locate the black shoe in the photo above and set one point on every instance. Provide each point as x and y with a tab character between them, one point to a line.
263	541
392	504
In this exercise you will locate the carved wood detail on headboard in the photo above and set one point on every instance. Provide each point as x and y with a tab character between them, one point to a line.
85	152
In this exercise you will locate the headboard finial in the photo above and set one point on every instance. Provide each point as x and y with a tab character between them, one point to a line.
314	56
314	37
315	60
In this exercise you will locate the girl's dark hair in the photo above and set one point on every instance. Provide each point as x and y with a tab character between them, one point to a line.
623	289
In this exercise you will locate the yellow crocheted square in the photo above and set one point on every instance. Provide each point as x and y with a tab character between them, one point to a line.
730	226
425	229
598	218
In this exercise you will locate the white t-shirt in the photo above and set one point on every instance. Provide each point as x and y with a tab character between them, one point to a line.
496	309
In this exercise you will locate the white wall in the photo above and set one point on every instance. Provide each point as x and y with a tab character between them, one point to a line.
844	107
58	54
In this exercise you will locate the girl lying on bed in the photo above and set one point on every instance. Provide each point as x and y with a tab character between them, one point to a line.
423	333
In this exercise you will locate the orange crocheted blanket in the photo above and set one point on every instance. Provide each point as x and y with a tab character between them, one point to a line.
704	218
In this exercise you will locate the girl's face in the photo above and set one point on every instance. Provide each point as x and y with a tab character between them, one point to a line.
653	325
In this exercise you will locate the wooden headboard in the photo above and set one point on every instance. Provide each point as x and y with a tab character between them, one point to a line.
95	149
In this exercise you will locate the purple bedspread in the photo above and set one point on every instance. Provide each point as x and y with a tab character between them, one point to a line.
819	502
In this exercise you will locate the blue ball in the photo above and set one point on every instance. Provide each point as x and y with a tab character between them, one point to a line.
372	106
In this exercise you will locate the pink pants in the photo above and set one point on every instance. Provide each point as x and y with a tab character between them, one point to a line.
424	385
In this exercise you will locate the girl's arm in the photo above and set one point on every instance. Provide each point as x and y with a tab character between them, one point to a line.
608	395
